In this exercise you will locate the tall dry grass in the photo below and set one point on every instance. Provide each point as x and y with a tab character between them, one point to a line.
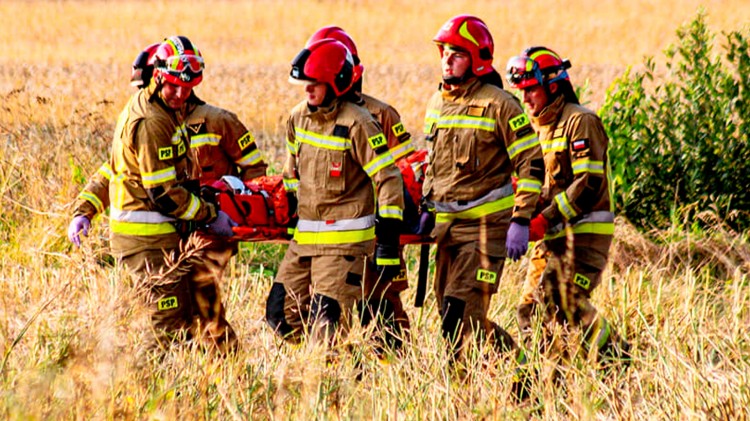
66	319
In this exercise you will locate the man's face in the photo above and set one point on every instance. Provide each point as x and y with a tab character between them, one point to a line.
175	95
455	63
535	98
316	93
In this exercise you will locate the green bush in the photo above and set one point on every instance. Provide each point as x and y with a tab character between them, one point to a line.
679	139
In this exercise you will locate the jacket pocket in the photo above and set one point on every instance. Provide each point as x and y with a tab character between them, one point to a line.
465	152
334	163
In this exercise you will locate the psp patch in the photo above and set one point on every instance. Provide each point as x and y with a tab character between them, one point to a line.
398	129
167	303
582	281
165	153
246	140
487	276
518	121
377	141
580	145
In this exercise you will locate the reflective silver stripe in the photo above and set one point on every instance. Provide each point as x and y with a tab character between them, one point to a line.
307	225
595	216
452	207
147	217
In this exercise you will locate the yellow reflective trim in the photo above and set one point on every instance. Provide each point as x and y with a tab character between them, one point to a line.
601	228
139	228
518	121
563	204
291	184
393	212
322	141
334	237
402	149
158	177
587	165
523	144
464	32
192	208
487	276
529	185
381	261
377	164
106	171
477	212
196	141
554	145
466	122
94	199
250	159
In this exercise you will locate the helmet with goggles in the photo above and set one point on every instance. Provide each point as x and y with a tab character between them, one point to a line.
536	66
178	61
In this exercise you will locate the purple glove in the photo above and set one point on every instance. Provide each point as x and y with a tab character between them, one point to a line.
222	225
517	241
79	224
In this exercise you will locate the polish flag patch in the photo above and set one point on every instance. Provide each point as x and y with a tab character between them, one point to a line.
335	169
580	144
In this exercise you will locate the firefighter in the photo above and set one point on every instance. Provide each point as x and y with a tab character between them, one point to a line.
339	165
151	180
382	296
478	135
575	218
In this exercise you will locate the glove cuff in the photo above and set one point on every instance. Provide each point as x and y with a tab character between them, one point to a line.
524	222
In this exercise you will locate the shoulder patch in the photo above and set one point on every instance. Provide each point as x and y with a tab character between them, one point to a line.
377	141
398	129
165	153
340	131
475	111
580	144
195	128
246	140
518	121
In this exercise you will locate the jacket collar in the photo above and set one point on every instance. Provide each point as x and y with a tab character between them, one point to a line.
550	113
463	90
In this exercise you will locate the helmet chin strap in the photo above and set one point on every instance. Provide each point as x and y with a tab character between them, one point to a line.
454	81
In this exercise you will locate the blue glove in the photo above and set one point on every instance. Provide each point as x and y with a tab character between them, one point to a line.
222	225
517	240
79	224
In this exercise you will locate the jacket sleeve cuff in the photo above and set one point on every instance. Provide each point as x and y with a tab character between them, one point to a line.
520	221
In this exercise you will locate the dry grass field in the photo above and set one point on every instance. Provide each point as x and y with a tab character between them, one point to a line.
67	325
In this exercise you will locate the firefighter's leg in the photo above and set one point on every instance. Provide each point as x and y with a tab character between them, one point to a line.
209	315
337	286
531	290
165	298
288	302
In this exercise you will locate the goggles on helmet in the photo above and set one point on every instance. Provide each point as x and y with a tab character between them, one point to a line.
176	65
523	72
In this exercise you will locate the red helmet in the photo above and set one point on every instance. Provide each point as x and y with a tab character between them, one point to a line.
341	36
326	61
471	34
142	71
536	66
178	61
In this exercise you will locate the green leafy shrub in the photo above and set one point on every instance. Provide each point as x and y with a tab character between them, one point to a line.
679	141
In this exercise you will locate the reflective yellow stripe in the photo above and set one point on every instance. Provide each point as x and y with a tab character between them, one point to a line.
523	144
158	177
478	211
192	208
180	132
94	199
250	159
381	261
430	118
138	228
601	228
529	185
587	165
393	212
402	149
291	147
377	164
211	139
322	141
563	204
555	145
106	171
466	122
291	184
334	237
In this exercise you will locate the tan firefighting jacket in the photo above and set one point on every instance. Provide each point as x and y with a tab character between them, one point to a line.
219	139
478	135
399	140
577	186
339	165
152	168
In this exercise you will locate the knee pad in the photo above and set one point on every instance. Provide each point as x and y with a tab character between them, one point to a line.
452	315
275	310
325	309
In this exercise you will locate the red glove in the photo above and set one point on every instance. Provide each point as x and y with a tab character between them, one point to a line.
538	227
514	181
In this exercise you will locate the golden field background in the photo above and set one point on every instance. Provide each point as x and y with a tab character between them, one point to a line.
66	320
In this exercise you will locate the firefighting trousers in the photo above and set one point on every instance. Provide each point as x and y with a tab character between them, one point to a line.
531	293
319	293
210	325
166	298
465	281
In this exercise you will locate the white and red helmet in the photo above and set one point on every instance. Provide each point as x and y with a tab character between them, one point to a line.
178	61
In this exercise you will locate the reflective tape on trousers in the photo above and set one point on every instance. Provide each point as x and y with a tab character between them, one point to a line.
143	217
595	218
307	225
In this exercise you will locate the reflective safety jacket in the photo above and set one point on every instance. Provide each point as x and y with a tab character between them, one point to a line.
152	168
223	145
399	140
339	165
577	186
478	135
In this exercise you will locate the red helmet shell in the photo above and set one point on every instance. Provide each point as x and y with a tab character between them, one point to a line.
471	34
142	71
341	36
179	62
536	66
326	61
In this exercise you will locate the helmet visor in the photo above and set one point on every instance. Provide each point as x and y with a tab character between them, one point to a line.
522	69
184	63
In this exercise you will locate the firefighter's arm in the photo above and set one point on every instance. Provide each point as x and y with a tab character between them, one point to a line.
525	154
399	140
156	162
94	198
238	143
587	145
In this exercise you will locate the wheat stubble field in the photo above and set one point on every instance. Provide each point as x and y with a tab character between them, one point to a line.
67	325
